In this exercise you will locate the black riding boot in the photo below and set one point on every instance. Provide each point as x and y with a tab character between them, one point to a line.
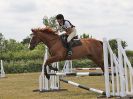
69	48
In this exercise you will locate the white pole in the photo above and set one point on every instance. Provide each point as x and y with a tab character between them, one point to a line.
2	70
121	70
131	80
106	72
40	83
58	78
67	66
71	66
126	76
112	75
117	80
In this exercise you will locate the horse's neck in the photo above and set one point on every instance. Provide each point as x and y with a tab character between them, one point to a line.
50	40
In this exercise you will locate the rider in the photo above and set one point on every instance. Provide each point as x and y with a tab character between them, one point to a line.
65	25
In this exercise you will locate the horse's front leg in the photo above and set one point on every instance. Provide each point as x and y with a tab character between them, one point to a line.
53	68
45	72
48	62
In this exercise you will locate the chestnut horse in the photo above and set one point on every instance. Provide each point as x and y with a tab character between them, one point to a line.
90	48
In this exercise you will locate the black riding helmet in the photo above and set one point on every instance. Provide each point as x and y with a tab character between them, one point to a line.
60	16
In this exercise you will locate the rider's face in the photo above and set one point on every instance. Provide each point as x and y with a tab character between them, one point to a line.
60	21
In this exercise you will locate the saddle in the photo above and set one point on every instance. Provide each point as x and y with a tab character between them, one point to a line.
74	42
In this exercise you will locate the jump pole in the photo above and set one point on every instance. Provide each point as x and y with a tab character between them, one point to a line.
84	87
88	68
77	74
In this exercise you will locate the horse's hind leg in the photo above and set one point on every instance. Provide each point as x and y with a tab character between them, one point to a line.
98	61
100	64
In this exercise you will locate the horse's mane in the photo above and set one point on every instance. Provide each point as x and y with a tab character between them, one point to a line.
45	30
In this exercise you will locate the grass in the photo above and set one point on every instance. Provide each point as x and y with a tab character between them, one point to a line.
21	86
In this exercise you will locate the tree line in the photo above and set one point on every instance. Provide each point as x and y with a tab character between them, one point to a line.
18	58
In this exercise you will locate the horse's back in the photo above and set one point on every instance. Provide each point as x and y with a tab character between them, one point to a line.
93	46
92	41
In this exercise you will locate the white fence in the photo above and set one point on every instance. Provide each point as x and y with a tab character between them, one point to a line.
122	81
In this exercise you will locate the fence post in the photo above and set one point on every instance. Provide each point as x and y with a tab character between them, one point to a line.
121	69
106	71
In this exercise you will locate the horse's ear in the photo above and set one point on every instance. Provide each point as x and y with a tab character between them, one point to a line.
33	30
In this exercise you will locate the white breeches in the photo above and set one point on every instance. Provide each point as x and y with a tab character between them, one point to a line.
73	34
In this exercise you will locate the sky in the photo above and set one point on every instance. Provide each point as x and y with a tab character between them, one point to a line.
100	18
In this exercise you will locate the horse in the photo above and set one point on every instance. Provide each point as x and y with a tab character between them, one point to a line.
90	48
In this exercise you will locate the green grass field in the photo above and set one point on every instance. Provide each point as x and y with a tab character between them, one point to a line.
21	86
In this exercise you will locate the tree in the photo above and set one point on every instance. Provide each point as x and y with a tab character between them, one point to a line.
12	45
26	40
85	36
50	22
1	37
2	45
114	46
